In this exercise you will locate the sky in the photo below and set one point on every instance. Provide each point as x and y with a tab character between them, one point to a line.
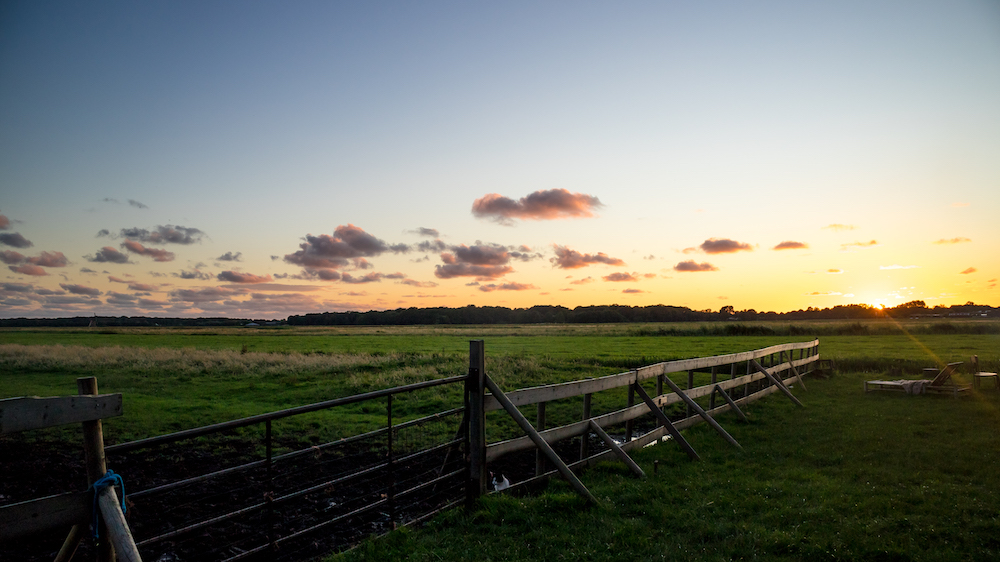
263	159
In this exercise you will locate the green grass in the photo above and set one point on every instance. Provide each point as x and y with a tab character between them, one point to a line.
849	477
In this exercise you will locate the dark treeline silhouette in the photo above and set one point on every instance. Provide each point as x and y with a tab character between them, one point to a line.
544	314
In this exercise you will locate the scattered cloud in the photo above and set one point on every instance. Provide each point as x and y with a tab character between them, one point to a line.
619	277
11	257
207	294
107	254
367	278
49	259
690	266
958	240
142	287
724	246
571	259
321	255
839	227
968	271
507	287
229	256
649	257
80	289
168	234
483	261
15	239
791	245
632	291
897	266
541	205
28	269
239	277
826	294
195	274
137	204
4	222
834	271
583	281
421	284
869	244
430	232
156	254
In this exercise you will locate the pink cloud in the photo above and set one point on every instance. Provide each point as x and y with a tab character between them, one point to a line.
968	271
4	222
958	240
368	278
108	254
142	287
28	269
239	277
11	257
156	254
724	246
690	266
334	252
791	245
632	291
839	227
540	205
80	289
583	281
571	259
506	287
618	277
483	261
868	244
49	259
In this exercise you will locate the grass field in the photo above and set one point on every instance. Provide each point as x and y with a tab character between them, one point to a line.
851	476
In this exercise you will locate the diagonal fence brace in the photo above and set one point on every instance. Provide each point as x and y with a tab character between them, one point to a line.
701	412
795	372
542	445
781	386
618	450
665	422
732	404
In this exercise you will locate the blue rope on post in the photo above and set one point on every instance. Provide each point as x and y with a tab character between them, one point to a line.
109	479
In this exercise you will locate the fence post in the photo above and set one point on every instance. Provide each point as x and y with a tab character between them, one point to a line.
93	447
475	386
540	426
584	446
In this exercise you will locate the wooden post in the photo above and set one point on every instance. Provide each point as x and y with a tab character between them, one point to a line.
538	440
540	426
630	424
475	485
71	543
584	445
711	399
687	410
659	386
93	448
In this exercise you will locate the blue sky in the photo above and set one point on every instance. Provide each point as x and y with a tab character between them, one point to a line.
651	129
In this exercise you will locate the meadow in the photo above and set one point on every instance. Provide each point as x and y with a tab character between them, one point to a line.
850	476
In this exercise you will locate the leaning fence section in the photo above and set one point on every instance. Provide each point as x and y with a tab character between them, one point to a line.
687	391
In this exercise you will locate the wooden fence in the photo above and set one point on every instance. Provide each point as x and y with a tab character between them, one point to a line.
274	505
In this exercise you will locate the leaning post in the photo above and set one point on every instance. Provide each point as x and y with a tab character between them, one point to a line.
475	389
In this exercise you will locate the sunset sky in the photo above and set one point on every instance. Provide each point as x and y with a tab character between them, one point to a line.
262	159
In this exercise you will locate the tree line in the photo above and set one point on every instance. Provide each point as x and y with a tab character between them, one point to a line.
542	314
